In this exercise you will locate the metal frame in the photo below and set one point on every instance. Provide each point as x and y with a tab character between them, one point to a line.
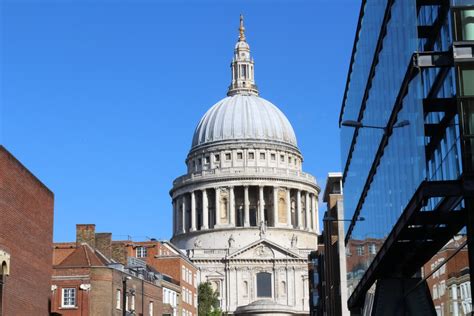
418	234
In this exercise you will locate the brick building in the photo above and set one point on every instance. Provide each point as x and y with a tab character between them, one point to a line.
91	276
450	284
169	260
26	236
359	255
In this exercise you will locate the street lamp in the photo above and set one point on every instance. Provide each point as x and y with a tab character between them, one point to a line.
333	219
124	294
357	124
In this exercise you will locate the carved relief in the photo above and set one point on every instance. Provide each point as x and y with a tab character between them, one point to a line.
294	241
263	251
197	243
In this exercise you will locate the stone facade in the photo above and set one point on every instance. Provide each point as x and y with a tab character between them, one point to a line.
245	212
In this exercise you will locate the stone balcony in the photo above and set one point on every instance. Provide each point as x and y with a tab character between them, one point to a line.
251	172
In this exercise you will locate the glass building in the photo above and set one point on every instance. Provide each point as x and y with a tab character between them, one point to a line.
407	129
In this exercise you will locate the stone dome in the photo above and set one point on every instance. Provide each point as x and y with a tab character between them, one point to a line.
244	117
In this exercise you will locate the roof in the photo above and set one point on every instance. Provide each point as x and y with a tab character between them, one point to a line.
9	155
178	252
332	177
244	117
84	256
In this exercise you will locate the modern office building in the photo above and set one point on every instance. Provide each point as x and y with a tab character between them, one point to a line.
406	136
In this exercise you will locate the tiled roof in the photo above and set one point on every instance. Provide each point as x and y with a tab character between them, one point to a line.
84	256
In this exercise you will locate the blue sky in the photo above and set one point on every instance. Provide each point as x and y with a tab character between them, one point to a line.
99	99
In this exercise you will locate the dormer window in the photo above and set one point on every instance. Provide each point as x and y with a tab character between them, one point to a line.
141	252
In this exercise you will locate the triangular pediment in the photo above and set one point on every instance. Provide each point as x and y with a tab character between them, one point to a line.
263	249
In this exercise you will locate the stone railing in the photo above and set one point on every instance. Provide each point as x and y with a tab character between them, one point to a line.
244	171
208	253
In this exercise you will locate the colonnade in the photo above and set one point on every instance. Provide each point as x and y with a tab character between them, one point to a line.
245	206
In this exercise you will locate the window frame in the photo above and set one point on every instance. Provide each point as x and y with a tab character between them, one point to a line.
141	252
118	299
74	297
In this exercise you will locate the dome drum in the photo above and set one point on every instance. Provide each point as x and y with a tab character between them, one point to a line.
245	204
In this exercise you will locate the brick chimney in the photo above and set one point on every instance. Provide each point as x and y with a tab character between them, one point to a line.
103	243
85	233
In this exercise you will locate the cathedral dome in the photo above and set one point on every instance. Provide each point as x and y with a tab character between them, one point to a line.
244	117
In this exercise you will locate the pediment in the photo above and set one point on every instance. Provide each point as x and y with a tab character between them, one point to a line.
263	249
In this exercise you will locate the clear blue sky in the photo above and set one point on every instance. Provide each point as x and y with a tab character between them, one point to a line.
99	99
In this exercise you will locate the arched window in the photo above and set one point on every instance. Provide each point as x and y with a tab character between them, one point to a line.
264	284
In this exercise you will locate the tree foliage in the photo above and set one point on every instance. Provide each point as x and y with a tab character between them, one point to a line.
208	302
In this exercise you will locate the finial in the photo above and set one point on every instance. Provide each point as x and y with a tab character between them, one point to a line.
241	29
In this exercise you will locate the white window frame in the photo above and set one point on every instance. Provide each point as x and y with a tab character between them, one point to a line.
150	308
141	252
132	305
118	298
72	290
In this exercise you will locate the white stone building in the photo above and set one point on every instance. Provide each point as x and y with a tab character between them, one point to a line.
245	212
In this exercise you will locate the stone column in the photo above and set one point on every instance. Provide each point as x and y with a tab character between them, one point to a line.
175	230
275	207
217	204
314	214
205	210
231	206
261	204
288	207
246	206
193	212
183	214
298	210
308	211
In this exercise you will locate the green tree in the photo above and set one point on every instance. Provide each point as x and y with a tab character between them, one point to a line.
208	302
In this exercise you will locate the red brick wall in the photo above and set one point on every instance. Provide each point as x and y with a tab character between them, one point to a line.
166	262
453	266
65	278
173	267
26	232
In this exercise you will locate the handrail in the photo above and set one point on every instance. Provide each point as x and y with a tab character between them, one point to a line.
244	171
